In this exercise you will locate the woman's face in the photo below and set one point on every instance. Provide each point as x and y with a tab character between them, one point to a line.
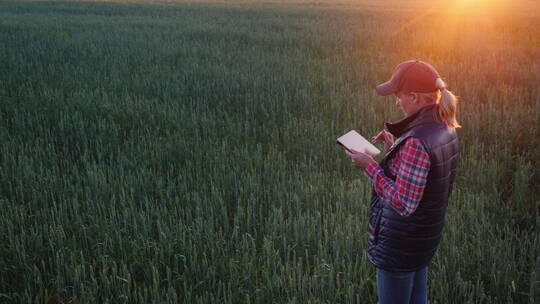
407	102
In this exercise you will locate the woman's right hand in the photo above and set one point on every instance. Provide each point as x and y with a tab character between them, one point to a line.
386	136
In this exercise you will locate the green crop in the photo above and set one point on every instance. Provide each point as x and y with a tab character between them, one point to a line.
178	152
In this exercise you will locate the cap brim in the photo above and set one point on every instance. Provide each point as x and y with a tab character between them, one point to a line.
386	88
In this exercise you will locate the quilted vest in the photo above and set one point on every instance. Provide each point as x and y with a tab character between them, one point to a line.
398	243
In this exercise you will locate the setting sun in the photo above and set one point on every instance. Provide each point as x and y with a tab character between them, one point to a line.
468	6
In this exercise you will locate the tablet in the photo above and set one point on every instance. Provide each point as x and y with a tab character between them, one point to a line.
353	140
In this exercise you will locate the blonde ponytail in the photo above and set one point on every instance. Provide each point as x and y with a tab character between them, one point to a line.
447	108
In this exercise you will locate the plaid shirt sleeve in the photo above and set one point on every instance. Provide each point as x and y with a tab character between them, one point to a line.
407	190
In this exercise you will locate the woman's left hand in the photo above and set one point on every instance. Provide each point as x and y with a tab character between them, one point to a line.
359	159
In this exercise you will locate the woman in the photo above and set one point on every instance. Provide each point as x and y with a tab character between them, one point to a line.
412	183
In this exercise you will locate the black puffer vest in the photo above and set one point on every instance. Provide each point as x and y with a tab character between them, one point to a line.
398	243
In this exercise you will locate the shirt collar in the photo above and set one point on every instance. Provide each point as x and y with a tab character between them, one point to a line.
422	116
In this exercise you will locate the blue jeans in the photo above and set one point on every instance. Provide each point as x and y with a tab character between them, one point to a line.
402	287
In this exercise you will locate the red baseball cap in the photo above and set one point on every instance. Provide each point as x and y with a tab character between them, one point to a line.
410	76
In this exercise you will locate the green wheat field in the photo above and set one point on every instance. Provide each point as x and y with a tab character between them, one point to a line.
185	152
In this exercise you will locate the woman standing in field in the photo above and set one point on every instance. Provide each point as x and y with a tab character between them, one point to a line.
412	183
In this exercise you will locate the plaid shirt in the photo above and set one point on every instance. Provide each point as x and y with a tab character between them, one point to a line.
411	167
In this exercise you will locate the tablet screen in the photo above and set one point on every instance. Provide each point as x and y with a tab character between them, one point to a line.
353	140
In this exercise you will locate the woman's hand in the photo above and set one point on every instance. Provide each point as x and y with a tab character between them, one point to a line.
386	136
359	159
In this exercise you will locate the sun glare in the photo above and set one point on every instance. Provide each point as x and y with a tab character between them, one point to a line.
471	6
